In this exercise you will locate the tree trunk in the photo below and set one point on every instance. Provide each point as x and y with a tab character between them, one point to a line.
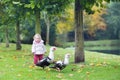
79	40
47	34
6	35
37	24
18	42
47	21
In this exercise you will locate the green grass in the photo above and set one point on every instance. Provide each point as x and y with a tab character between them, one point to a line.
18	65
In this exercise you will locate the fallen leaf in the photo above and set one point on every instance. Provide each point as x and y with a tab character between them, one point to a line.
70	75
74	69
30	75
87	73
99	64
14	57
48	69
23	65
59	76
80	70
64	79
82	66
105	63
92	64
31	66
19	75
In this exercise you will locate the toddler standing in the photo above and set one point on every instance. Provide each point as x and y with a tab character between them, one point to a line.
38	48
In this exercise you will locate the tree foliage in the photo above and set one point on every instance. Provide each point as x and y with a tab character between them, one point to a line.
112	19
80	6
66	21
94	22
51	6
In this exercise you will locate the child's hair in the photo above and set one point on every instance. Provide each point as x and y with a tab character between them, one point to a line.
37	36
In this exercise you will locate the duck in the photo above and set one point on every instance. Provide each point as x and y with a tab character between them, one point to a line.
60	65
46	61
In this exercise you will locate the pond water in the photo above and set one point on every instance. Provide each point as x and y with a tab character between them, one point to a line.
116	52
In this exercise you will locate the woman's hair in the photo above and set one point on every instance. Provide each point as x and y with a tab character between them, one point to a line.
37	36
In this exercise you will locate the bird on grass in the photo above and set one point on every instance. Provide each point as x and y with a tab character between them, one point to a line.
47	60
60	65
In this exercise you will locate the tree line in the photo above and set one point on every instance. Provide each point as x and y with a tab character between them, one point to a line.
14	14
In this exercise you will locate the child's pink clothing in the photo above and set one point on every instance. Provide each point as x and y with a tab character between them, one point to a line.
37	58
38	49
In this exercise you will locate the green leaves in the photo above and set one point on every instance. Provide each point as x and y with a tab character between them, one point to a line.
88	4
32	5
16	2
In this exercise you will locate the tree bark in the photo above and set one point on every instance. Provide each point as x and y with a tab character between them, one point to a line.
48	31
18	42
79	40
47	21
37	24
6	35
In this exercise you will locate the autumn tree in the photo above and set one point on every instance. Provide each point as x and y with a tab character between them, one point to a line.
94	22
65	24
80	6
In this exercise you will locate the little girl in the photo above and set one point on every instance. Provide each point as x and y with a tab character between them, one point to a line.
38	48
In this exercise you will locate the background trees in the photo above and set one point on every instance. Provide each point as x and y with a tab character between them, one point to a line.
44	16
80	6
34	8
112	19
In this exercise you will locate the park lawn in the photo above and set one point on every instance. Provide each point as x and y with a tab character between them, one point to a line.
18	65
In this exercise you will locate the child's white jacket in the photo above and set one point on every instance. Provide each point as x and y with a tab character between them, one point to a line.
38	48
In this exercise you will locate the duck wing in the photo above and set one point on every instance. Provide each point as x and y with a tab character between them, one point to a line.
58	65
43	62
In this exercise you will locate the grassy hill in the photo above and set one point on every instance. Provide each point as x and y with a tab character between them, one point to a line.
18	65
